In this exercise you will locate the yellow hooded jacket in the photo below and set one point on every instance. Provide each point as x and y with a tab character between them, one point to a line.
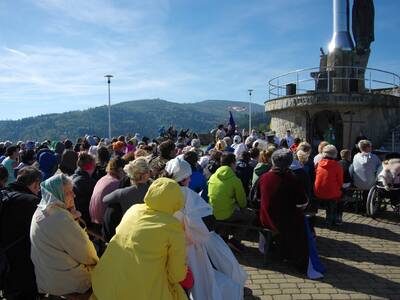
145	260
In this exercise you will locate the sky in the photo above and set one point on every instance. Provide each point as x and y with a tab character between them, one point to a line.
54	53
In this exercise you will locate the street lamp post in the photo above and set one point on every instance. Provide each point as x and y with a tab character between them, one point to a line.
250	93
109	105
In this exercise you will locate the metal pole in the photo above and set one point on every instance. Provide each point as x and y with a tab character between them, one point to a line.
109	104
250	92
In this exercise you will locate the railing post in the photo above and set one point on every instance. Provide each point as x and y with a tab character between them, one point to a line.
279	89
297	83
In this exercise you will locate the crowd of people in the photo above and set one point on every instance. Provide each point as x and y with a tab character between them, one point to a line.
108	219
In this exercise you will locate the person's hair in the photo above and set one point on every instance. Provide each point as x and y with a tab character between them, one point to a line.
115	165
28	156
84	159
322	145
282	159
362	145
254	153
28	175
140	153
220	126
297	140
245	155
137	168
121	138
227	140
215	155
85	146
3	173
329	151
195	143
303	152
166	148
103	155
220	145
345	153
130	156
283	143
11	149
68	144
227	159
191	157
304	146
265	155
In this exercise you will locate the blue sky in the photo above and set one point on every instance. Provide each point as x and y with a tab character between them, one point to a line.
54	53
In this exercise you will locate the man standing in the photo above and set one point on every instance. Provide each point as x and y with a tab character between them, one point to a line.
18	207
289	139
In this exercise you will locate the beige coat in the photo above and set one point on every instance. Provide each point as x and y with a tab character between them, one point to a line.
61	252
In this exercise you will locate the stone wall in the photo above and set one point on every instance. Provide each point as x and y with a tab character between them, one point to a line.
374	115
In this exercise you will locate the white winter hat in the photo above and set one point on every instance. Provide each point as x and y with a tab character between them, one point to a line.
179	169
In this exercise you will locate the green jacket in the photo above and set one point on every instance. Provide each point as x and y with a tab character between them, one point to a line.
225	191
260	169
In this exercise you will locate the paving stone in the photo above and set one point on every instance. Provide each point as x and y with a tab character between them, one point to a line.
361	257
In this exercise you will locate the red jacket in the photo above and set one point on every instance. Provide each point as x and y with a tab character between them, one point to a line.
328	180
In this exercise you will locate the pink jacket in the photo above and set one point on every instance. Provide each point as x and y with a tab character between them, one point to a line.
104	186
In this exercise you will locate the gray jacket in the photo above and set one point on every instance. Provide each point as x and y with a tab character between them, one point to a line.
128	196
364	170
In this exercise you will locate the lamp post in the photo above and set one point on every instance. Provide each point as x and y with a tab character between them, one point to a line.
250	92
109	105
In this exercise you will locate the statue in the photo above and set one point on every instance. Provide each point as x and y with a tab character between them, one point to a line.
363	24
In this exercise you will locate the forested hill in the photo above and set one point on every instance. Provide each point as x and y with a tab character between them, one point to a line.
143	116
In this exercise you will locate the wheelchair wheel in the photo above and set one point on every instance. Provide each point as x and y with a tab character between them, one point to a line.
374	202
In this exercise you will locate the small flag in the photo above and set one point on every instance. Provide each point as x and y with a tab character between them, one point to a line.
231	120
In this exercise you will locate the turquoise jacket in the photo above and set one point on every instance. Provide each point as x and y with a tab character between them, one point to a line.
226	192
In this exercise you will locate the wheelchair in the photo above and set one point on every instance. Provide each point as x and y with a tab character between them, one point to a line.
379	199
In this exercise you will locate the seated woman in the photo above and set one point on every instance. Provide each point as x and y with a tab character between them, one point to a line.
197	216
283	200
120	200
61	251
146	257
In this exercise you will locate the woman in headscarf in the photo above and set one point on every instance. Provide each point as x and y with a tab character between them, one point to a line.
61	251
146	257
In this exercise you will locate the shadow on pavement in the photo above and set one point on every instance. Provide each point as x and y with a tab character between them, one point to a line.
363	230
350	251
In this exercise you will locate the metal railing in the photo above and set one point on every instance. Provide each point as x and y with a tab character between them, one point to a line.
323	79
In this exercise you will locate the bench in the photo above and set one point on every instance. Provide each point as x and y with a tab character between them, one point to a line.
221	229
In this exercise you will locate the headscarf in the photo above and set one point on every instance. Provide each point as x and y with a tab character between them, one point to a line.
179	169
52	193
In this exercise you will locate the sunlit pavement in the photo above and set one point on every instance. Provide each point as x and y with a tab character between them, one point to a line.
362	258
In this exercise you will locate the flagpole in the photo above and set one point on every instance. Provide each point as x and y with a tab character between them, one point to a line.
250	93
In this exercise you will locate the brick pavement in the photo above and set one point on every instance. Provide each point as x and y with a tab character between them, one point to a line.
362	258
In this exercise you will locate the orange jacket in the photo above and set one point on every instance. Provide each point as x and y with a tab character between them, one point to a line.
328	180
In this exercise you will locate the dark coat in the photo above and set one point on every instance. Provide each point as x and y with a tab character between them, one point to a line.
15	223
281	192
245	173
346	174
83	186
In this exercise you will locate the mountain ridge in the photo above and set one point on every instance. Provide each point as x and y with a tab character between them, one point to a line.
145	116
